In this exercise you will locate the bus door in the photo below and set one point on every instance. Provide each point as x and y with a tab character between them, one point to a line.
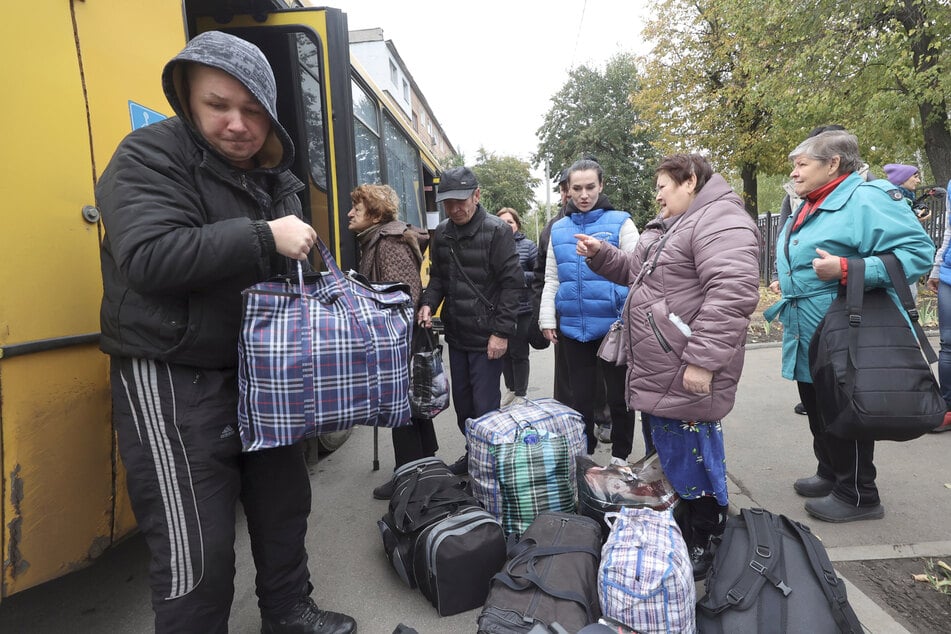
309	52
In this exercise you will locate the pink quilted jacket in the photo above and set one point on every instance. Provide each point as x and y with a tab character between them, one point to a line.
707	274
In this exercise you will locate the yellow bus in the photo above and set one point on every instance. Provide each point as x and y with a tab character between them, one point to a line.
79	75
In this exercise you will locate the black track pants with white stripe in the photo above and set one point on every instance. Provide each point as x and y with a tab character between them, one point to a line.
178	438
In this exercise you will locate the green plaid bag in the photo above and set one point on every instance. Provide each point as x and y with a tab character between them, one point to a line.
534	475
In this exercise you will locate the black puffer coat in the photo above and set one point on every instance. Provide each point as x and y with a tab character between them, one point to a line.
485	247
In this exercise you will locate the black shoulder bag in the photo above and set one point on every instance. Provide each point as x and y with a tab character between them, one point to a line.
872	372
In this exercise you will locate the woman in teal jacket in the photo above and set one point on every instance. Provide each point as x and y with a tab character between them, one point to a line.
841	217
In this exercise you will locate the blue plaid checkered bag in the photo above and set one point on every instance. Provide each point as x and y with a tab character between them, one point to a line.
321	356
500	427
535	475
645	580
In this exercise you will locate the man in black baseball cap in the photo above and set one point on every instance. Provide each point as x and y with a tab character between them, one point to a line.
475	270
456	183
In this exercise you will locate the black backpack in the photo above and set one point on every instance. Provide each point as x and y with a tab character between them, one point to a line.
871	380
771	575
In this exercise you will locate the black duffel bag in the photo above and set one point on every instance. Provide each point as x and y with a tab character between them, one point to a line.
550	578
871	380
425	492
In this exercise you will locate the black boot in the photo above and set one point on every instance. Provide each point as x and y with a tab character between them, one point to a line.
307	618
707	523
701	558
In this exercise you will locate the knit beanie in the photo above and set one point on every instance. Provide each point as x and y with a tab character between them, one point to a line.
896	173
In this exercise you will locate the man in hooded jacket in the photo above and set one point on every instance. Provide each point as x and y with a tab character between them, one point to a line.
196	208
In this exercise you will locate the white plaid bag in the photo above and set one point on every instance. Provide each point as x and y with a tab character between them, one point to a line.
502	427
645	580
321	356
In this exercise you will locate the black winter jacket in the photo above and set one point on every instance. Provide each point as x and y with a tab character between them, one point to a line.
485	247
527	255
181	244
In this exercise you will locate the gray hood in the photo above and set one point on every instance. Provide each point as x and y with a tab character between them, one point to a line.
246	63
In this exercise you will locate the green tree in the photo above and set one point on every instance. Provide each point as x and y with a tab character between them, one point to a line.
745	80
592	115
505	181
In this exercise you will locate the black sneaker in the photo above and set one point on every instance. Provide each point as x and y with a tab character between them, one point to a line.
800	409
385	490
701	558
307	618
461	466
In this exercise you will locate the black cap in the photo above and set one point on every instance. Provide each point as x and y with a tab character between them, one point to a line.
456	183
562	177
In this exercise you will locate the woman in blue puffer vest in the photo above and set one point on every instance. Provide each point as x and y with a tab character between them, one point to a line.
583	305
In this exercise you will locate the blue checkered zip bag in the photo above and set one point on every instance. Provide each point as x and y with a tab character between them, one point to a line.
645	580
322	355
500	427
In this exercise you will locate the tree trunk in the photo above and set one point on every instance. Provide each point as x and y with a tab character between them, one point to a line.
937	140
750	190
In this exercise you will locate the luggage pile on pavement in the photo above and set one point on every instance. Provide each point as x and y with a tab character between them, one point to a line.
546	541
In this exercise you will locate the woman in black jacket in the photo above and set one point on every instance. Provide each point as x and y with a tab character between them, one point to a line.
515	367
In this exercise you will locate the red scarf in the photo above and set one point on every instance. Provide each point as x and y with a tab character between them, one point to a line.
814	199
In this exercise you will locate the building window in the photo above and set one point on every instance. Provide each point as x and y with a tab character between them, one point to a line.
394	78
406	91
415	121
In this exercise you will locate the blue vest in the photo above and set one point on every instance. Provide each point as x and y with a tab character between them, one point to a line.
586	303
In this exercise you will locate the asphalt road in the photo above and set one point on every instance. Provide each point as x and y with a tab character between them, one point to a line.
767	445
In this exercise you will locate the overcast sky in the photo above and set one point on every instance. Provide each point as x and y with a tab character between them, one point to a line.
489	69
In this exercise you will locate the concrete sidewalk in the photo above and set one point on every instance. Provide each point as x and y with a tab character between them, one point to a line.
767	448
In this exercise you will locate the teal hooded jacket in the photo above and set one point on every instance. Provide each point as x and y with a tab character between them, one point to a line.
858	219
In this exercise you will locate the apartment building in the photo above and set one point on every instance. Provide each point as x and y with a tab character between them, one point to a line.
379	57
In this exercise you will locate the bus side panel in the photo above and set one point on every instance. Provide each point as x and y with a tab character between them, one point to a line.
55	434
57	464
125	45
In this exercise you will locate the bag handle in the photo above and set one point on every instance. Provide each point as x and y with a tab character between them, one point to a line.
482	298
523	581
893	266
424	341
308	380
855	292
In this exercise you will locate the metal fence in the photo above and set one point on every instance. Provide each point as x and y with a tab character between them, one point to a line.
768	224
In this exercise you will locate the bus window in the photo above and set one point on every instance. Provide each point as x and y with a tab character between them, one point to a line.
313	109
403	171
309	77
366	133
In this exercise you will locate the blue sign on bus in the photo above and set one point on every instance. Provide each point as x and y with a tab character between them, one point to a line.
142	116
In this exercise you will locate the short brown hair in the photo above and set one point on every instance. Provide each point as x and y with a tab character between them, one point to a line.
381	201
680	167
513	213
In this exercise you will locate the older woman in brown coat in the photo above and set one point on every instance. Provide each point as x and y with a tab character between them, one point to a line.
694	282
391	251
